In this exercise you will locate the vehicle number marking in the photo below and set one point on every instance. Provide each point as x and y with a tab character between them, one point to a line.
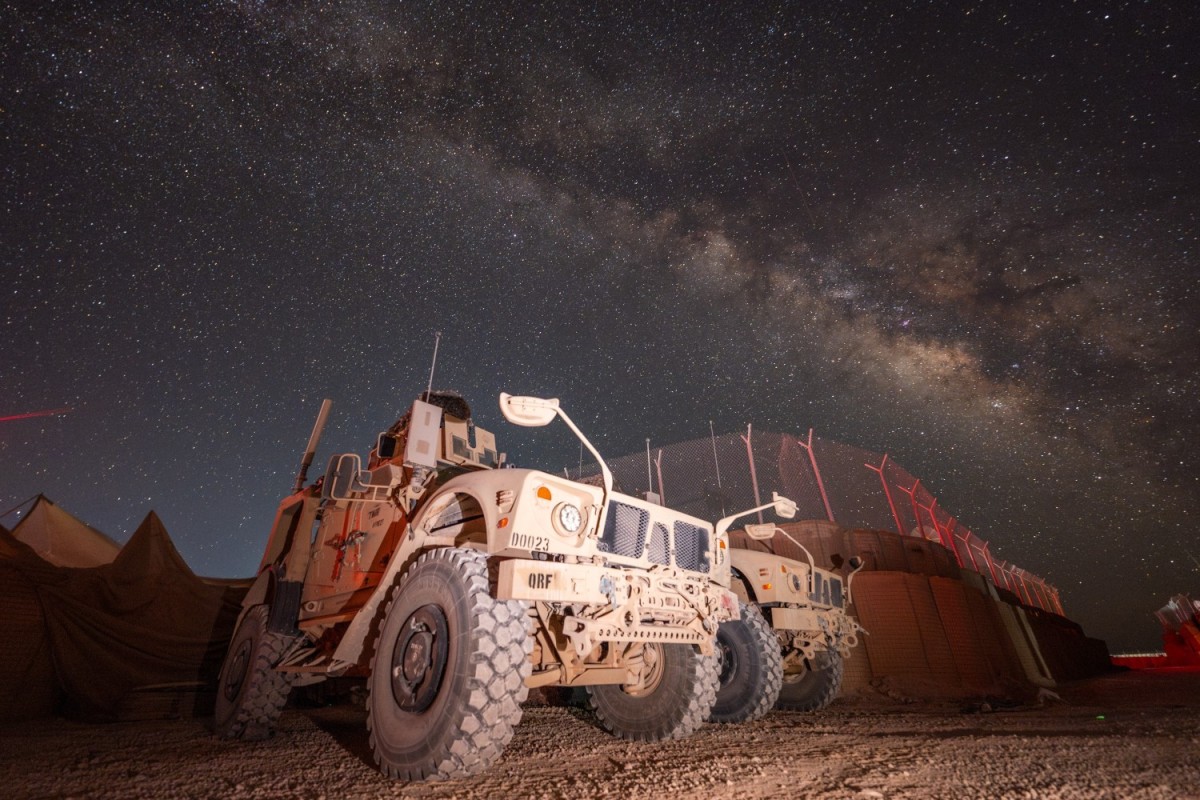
527	542
541	580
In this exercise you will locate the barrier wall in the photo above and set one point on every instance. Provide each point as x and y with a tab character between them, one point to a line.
931	625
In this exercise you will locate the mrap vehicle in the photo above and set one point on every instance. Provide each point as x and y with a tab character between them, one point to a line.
453	585
788	646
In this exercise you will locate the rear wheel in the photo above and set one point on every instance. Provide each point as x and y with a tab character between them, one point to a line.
817	686
448	675
250	693
675	696
751	668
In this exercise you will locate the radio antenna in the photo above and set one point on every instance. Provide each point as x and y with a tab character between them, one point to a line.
311	450
437	337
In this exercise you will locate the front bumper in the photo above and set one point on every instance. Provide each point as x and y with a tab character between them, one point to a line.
606	604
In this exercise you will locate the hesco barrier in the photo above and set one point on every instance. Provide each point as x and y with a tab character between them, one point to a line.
930	623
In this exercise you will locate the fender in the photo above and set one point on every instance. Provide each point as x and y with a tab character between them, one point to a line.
741	587
476	486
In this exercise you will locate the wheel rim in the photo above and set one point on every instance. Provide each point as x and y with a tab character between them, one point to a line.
727	660
237	670
652	657
419	659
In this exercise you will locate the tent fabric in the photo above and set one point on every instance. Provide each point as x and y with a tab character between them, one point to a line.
27	685
62	539
145	619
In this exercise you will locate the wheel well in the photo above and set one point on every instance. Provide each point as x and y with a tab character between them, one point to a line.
458	516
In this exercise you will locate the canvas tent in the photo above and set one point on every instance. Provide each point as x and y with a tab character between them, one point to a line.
61	539
84	640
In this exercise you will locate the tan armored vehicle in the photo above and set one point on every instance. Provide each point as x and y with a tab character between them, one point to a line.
453	585
788	646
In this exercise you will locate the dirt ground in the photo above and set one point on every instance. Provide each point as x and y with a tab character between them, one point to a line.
1129	735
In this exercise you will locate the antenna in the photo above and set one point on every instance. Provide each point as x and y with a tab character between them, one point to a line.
662	495
1194	560
649	478
311	450
716	463
437	338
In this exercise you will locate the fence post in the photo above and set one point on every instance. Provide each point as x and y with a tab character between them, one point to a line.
812	459
753	471
933	518
887	492
987	555
953	548
1057	601
912	496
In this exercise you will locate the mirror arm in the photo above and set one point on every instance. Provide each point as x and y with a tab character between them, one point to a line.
850	579
812	565
724	523
604	470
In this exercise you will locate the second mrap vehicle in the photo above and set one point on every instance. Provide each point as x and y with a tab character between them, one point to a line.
787	647
452	586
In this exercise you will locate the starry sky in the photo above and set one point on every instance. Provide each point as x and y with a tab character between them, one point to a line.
964	234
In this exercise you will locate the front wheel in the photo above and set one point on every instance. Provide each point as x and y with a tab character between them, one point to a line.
751	668
250	693
448	675
817	686
676	695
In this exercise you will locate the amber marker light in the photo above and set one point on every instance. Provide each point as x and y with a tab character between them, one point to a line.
767	586
503	523
543	492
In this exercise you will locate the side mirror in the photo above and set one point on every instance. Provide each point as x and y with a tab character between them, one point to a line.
783	507
761	532
528	412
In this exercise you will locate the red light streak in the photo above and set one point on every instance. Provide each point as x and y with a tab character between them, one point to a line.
50	412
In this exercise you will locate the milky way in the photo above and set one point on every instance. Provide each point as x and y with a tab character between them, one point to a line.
964	236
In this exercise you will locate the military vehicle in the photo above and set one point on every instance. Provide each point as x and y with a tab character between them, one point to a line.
453	585
788	646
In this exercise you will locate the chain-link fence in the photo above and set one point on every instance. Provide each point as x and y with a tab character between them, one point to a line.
852	487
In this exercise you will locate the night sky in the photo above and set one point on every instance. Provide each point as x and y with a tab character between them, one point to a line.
964	234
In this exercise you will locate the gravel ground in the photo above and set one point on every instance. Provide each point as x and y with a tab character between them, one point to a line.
1131	735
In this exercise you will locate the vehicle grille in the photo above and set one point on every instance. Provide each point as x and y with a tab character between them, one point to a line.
660	549
691	547
624	531
827	591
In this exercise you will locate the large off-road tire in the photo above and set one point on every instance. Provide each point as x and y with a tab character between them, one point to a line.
674	702
751	668
250	693
817	686
448	675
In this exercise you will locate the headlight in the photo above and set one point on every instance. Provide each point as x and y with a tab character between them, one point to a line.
568	518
